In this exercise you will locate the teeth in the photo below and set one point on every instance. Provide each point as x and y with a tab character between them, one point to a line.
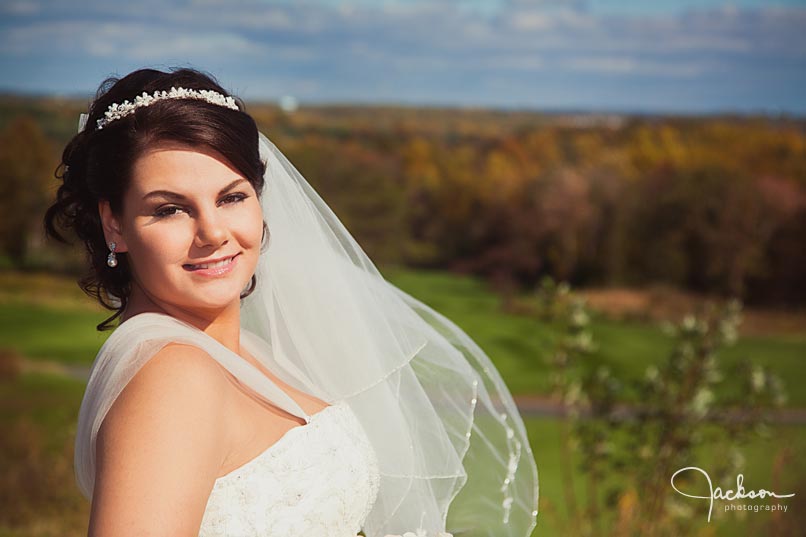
213	265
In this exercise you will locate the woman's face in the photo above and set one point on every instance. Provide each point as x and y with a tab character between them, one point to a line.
184	210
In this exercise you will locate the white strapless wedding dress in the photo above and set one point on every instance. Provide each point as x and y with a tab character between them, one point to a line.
319	479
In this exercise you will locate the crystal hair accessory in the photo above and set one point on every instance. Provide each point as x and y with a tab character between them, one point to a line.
117	111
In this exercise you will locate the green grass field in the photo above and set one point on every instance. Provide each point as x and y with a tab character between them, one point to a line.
519	345
53	320
760	457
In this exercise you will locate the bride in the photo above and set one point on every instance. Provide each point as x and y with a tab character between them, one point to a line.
263	378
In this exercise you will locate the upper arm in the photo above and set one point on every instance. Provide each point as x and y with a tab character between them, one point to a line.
160	447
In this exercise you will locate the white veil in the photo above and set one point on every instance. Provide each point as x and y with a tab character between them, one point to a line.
453	451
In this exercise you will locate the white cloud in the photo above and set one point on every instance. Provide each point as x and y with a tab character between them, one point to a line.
21	7
139	42
620	65
606	65
205	46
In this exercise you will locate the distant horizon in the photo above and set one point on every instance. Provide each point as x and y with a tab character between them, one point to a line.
771	114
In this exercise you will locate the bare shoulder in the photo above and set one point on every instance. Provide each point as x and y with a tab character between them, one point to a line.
173	386
160	447
192	366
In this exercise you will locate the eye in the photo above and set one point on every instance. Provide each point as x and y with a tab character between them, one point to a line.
166	211
236	197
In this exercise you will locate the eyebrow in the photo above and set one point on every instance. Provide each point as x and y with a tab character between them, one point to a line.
173	195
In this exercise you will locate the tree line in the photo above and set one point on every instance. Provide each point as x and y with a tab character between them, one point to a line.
709	204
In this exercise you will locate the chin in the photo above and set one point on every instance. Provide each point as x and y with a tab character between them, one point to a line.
212	307
210	298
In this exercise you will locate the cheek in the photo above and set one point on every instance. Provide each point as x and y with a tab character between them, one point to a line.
250	224
159	246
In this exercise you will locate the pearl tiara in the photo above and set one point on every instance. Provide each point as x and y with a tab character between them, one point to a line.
117	111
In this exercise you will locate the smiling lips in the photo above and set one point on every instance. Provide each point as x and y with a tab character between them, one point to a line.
214	268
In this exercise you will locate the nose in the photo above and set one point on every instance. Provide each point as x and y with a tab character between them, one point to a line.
211	230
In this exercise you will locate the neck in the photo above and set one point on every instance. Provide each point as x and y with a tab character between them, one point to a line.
223	324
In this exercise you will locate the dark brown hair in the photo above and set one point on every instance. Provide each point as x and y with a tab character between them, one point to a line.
98	164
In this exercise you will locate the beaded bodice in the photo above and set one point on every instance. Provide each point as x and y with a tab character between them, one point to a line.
318	479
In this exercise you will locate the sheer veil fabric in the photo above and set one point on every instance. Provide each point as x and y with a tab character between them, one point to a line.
452	448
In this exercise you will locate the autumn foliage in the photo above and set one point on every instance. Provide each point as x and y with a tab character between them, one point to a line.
710	204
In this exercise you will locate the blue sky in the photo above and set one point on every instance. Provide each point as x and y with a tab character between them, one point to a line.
631	55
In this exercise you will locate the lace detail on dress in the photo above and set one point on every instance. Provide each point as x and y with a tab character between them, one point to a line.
318	479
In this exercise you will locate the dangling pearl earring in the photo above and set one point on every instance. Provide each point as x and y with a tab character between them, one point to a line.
111	260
